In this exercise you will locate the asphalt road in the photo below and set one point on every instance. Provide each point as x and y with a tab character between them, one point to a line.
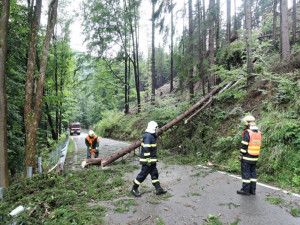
196	195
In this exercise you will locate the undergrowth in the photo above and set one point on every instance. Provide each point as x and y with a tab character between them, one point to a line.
63	199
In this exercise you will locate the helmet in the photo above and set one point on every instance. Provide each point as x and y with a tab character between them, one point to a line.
249	120
152	126
91	133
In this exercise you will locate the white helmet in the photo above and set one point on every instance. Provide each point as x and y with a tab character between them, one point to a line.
152	126
91	133
249	120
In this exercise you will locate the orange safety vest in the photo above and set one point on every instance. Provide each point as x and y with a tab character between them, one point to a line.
254	143
91	140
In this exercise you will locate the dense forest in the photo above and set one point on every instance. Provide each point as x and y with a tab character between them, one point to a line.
117	89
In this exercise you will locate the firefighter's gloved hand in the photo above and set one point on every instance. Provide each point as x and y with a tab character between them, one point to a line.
148	161
240	157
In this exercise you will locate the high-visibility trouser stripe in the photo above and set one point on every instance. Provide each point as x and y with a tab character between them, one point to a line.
147	154
243	150
155	181
148	145
145	160
253	180
250	159
245	143
137	182
253	147
246	181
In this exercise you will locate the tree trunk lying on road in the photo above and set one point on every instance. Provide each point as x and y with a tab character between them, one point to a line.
105	162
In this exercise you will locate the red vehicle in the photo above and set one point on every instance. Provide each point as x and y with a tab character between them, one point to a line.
75	128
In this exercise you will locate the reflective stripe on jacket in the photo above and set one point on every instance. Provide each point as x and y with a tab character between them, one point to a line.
92	142
244	148
254	143
149	149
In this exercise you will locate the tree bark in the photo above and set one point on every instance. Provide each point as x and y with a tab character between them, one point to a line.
218	25
248	39
228	21
191	50
33	102
153	55
275	2
285	49
294	22
235	22
5	10
172	49
211	80
200	47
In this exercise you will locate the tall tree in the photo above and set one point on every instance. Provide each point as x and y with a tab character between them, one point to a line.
248	25
285	49
171	7
218	22
33	94
153	75
211	80
228	30
294	21
191	50
5	8
275	3
200	47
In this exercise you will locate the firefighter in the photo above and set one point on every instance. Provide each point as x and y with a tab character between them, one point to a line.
249	153
148	159
92	143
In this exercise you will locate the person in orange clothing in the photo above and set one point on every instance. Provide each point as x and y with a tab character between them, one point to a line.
249	153
92	143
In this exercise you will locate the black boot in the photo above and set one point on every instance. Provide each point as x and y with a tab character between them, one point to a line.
135	190
159	189
242	192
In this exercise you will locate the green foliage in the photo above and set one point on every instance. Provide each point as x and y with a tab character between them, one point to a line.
110	122
213	220
63	199
275	201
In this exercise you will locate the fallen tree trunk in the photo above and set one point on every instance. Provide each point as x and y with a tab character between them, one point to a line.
105	162
208	102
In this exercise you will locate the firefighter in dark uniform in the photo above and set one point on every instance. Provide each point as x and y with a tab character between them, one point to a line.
148	159
92	143
249	153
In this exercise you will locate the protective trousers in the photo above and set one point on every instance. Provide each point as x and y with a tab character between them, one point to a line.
146	169
249	176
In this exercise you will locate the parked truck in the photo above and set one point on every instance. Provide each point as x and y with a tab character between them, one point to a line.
75	128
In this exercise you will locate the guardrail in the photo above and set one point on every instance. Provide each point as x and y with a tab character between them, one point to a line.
57	158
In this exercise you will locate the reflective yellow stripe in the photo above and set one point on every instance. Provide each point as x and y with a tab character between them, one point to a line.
251	151
245	143
148	145
137	182
146	154
246	181
243	150
250	159
154	181
145	160
254	147
252	180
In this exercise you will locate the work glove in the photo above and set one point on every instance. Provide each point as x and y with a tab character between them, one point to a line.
240	157
148	161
